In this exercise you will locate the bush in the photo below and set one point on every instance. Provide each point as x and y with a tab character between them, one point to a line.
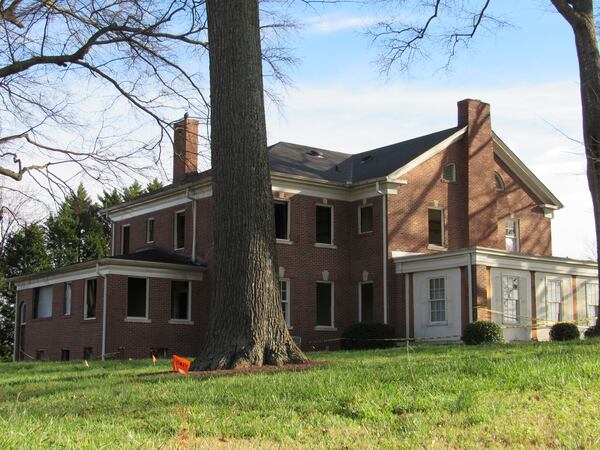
593	331
482	332
564	331
366	335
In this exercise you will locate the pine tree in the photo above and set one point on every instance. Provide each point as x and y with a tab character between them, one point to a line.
154	186
132	192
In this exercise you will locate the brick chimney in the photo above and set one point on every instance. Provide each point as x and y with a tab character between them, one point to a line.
185	148
481	207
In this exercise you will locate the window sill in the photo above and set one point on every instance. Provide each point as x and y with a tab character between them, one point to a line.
138	319
365	233
437	324
284	241
89	319
290	327
437	247
180	322
179	249
41	319
322	245
149	242
325	328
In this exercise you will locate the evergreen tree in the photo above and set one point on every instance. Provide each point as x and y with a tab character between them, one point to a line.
154	186
110	198
132	192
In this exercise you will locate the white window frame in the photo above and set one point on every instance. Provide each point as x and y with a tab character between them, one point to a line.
68	286
560	303
127	225
175	230
516	237
360	285
431	300
148	241
85	294
453	180
330	327
289	219
443	219
139	318
189	305
591	286
360	208
287	302
326	244
510	320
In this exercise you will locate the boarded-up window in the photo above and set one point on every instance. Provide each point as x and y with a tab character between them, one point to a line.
90	299
554	299
436	228
284	287
180	300
366	302
325	304
180	230
591	299
365	219
136	297
449	172
42	307
281	219
68	299
512	235
324	221
510	299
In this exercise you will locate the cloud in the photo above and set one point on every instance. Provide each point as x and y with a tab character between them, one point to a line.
335	23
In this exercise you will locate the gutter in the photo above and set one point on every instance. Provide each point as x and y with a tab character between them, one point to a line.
470	286
384	224
17	307
194	206
105	288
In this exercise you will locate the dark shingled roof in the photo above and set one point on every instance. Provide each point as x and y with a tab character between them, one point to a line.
159	255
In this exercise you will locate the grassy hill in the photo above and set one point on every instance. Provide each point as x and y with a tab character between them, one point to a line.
517	395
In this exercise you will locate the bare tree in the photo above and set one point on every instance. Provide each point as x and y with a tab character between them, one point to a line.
402	43
246	326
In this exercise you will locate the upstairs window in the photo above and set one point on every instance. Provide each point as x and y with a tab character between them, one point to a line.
324	224
365	312
436	226
324	304
150	230
180	300
554	300
89	306
437	300
282	224
365	219
499	182
591	299
179	230
68	299
42	303
284	288
125	240
449	173
512	235
510	299
137	298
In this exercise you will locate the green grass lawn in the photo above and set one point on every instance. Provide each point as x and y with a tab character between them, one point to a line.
519	395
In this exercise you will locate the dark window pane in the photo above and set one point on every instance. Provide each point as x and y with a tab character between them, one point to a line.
125	238
88	353
366	219
435	227
180	230
323	219
136	297
324	304
90	299
281	220
150	230
179	300
65	355
366	302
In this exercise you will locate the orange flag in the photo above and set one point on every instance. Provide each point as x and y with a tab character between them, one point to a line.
181	365
153	360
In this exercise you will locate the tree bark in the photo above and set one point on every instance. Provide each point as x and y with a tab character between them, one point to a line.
246	325
580	15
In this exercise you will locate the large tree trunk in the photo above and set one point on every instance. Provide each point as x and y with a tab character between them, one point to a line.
246	324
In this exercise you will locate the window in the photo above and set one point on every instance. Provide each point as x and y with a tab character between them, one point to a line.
180	300
436	227
554	300
365	312
125	239
284	287
23	314
324	220
365	218
150	230
282	224
499	182
39	355
449	172
65	355
510	299
90	299
137	297
324	304
591	299
512	235
437	300
88	353
68	297
179	230
42	303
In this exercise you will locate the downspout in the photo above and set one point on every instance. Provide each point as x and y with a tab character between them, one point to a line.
384	224
406	306
104	303
470	286
194	202
17	307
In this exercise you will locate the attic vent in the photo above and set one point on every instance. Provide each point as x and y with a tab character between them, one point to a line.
364	159
449	173
314	154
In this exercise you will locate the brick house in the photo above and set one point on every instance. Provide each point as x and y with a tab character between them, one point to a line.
425	235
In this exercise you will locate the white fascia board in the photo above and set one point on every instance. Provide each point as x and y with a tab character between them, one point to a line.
145	272
524	174
428	154
438	261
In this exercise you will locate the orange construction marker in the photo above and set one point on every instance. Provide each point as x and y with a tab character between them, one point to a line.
153	360
181	365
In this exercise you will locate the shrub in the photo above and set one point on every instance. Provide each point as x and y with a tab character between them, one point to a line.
367	335
593	331
564	331
482	332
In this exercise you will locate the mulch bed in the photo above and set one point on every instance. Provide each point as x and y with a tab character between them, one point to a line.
246	371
